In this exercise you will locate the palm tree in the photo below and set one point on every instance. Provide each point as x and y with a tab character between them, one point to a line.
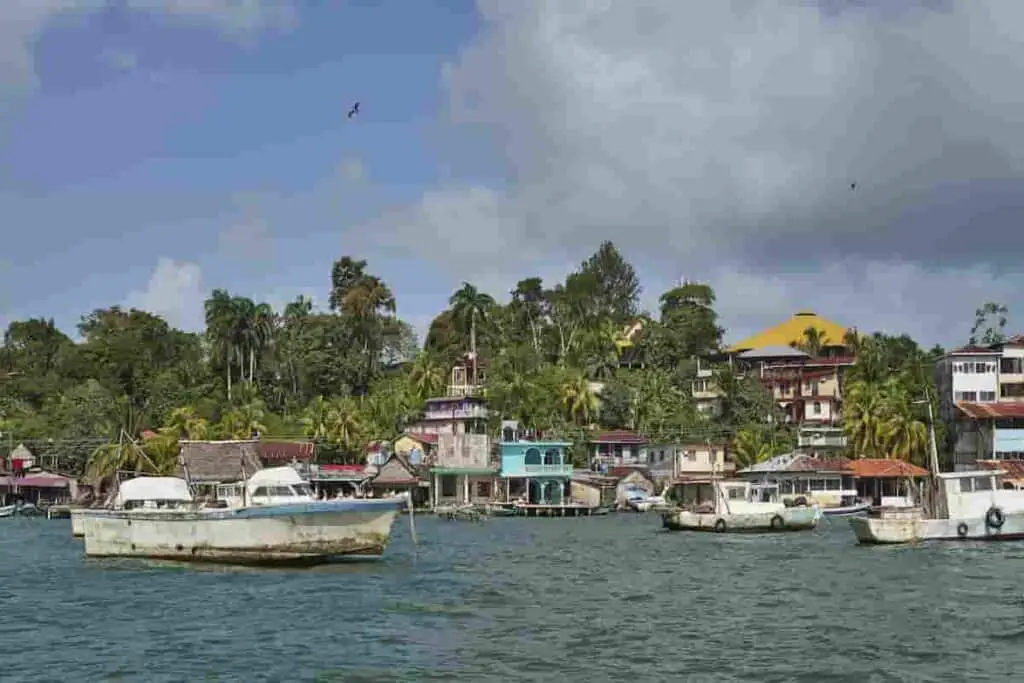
344	424
316	419
750	448
221	321
814	340
185	423
580	402
427	376
258	332
468	307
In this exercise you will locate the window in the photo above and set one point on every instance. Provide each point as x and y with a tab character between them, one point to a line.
302	490
700	386
966	485
532	457
981	368
735	494
1011	366
280	491
661	456
483	489
816	408
958	367
260	491
983	484
986	396
552	457
832	484
448	485
965	396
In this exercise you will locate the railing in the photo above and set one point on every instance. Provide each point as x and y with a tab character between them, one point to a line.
547	469
455	414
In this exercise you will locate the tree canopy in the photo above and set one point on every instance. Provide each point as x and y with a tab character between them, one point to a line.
561	357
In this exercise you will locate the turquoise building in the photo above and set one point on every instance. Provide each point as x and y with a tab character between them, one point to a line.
537	472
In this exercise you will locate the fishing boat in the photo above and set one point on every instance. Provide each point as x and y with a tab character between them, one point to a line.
954	506
723	506
159	518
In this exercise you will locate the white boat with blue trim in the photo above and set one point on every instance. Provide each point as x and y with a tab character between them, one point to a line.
735	507
275	521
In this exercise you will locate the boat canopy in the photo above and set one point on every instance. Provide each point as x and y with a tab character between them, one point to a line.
279	476
152	488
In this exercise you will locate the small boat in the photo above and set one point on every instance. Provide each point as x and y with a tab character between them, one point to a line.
8	511
158	518
851	508
500	510
467	513
735	507
601	510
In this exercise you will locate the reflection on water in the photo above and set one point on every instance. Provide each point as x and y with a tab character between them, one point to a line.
593	599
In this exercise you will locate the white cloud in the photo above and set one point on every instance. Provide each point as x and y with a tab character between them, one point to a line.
175	291
120	60
722	139
352	169
22	21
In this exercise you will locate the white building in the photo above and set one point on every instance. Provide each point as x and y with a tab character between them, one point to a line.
982	402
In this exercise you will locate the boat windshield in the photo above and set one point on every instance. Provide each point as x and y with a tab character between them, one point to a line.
302	489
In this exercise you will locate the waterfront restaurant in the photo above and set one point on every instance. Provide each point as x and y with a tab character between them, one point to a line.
536	472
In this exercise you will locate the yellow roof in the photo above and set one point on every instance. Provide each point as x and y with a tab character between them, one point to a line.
792	332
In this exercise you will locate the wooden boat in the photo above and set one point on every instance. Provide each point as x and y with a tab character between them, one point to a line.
957	506
858	508
734	507
169	524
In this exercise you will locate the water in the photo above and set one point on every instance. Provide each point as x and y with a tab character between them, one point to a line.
599	599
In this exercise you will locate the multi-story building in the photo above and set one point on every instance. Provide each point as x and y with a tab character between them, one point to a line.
803	371
462	467
981	402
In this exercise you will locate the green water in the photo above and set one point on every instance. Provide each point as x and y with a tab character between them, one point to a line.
594	599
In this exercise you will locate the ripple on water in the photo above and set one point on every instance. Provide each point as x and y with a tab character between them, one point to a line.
610	598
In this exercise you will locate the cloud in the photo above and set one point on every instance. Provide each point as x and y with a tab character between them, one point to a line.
722	139
248	239
352	169
22	21
120	60
175	291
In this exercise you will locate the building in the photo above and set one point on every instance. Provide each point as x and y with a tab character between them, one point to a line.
397	475
536	472
592	490
824	481
617	448
981	402
802	362
332	481
418	449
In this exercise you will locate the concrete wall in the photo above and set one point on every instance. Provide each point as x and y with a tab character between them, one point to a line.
463	450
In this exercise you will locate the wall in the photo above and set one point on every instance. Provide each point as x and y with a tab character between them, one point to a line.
553	458
693	459
974	381
463	450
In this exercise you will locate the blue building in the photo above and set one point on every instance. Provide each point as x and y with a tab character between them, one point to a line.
536	472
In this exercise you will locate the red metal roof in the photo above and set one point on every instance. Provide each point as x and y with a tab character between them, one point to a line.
285	451
1014	468
989	411
623	436
343	468
879	468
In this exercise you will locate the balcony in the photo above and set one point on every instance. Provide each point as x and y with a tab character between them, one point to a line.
457	414
556	470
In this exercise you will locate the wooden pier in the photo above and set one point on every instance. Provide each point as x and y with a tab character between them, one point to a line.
540	510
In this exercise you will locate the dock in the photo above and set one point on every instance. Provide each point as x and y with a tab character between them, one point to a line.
550	510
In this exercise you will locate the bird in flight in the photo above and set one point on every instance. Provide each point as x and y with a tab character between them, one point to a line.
853	186
354	110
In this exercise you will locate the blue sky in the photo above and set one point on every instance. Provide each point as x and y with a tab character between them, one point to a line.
152	150
150	137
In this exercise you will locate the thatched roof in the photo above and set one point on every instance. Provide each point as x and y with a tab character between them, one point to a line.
220	461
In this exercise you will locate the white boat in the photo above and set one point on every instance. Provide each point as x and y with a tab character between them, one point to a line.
966	506
735	507
157	518
8	510
848	508
956	506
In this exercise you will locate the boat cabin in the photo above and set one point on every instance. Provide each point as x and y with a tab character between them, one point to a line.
271	486
967	495
157	493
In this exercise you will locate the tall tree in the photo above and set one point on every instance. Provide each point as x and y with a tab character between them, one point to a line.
989	324
616	292
471	307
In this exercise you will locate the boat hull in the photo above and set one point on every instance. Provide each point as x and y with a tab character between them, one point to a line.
897	530
788	519
847	510
78	522
8	510
290	534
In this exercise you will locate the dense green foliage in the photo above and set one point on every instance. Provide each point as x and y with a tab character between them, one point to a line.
355	373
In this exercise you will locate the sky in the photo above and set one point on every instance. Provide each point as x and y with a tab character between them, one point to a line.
861	159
